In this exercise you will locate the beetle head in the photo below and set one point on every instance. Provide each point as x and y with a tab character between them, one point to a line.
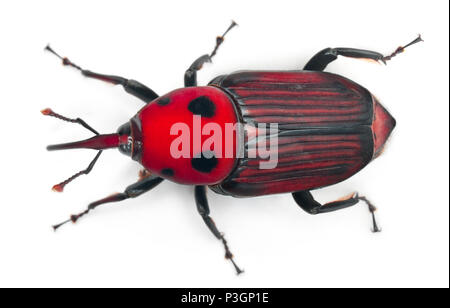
133	146
127	139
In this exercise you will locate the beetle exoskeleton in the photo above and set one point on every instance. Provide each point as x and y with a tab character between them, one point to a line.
327	129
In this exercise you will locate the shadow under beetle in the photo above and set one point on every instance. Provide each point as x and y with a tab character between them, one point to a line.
329	128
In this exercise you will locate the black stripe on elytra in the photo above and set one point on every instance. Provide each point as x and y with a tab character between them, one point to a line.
202	106
205	163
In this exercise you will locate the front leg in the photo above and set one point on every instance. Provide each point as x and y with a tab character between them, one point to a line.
190	76
134	190
203	210
131	86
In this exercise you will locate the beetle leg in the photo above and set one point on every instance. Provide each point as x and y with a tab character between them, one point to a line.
190	76
131	86
203	209
306	201
320	61
144	173
131	191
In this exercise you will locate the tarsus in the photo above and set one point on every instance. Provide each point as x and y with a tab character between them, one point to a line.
401	49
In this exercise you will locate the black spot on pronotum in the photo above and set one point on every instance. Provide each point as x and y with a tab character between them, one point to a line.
163	101
167	172
202	106
205	163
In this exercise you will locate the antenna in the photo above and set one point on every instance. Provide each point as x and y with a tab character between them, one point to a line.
98	142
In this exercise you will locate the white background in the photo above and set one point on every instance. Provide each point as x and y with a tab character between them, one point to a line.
159	239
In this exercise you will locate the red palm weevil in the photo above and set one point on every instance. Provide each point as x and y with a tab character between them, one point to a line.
328	128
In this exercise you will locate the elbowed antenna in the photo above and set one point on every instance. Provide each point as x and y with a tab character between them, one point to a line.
98	142
60	187
51	113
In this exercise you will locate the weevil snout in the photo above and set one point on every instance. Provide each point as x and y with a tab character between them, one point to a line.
127	140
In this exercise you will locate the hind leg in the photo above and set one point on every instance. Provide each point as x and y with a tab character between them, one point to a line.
131	86
324	57
306	201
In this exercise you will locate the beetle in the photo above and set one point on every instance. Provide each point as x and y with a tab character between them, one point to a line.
328	128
